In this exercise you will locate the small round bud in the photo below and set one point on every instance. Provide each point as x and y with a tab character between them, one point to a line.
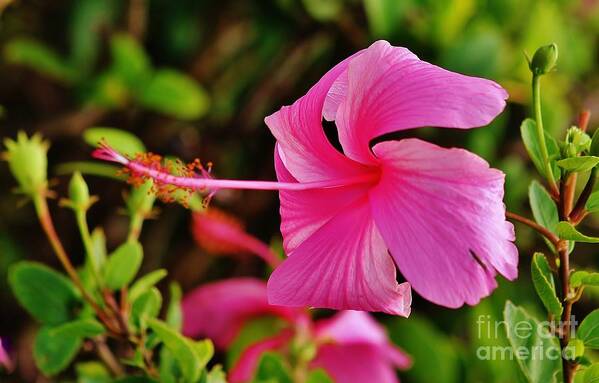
544	59
28	162
78	191
576	142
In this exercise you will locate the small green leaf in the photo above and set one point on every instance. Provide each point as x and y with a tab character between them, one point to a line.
565	230
543	208
216	375
174	93
526	334
588	331
46	294
147	305
574	349
592	204
53	353
38	57
594	148
579	278
578	164
92	372
174	313
591	374
123	265
204	350
144	283
88	167
319	376
120	140
129	60
183	349
528	130
272	368
81	328
542	279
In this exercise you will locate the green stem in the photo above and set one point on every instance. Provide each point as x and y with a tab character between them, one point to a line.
536	99
87	242
137	221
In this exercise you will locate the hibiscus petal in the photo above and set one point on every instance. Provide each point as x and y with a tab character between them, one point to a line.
389	89
342	265
246	365
355	363
304	212
218	310
309	155
441	213
358	327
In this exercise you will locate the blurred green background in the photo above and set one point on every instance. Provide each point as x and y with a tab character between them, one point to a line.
196	78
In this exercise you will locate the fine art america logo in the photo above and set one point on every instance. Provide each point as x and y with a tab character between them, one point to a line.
534	342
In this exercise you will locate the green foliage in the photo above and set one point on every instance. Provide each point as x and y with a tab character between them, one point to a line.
147	305
565	230
542	279
143	284
122	265
319	376
529	138
121	140
39	57
271	368
174	93
526	333
578	164
591	374
580	278
588	331
53	352
46	294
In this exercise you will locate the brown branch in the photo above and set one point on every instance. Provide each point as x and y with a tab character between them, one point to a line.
569	368
579	211
535	226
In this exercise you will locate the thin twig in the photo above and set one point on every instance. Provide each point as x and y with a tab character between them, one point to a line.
578	212
535	226
108	357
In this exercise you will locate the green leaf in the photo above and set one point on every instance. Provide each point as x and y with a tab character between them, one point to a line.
592	204
528	130
123	265
204	350
144	283
594	148
574	349
578	164
174	313
176	94
591	374
129	60
272	369
46	294
92	372
81	328
147	305
319	376
542	279
38	57
526	334
88	167
121	140
183	349
543	208
323	10
588	331
53	353
135	379
217	375
383	16
565	230
579	278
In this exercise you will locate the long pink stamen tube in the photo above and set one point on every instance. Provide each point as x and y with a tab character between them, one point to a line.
107	153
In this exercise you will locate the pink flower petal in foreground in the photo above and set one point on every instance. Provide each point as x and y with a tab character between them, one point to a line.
218	232
218	310
439	212
351	346
5	361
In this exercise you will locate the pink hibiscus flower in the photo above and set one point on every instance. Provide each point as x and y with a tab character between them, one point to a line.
351	346
5	361
348	219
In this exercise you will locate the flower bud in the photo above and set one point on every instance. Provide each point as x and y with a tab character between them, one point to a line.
78	191
141	200
576	142
28	162
544	59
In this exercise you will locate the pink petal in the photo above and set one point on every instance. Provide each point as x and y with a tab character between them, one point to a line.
298	129
246	365
389	89
218	310
355	363
218	232
441	213
358	327
342	265
304	212
5	360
